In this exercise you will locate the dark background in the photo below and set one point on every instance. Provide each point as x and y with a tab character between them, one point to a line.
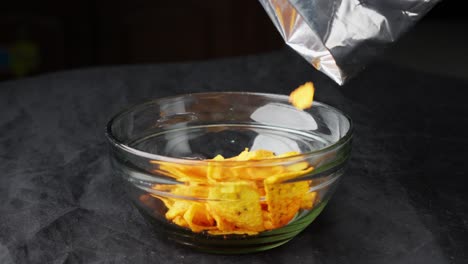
82	33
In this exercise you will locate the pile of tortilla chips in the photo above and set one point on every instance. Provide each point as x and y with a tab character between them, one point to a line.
235	199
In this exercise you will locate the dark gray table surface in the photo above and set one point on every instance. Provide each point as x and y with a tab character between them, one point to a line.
403	200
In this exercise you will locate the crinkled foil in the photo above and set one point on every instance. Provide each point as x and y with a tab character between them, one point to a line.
338	37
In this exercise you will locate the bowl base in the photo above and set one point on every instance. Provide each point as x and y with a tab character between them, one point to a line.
233	244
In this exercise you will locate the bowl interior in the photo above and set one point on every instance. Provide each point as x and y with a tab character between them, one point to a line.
201	126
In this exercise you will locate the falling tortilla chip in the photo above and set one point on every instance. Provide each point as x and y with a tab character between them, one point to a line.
303	96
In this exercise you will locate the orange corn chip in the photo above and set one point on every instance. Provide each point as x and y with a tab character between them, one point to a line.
303	96
288	154
299	166
188	190
236	203
215	171
242	156
260	173
254	155
191	190
198	218
180	221
308	200
177	209
284	199
221	223
182	173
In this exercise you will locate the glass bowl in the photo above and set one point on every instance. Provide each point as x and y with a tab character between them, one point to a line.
166	150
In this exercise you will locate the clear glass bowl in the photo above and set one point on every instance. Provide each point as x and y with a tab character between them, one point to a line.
162	150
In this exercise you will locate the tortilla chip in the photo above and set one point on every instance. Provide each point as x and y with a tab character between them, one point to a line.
303	96
236	203
181	172
215	170
284	199
287	154
259	154
180	221
267	224
298	166
260	173
242	156
178	209
252	172
198	218
191	191
308	200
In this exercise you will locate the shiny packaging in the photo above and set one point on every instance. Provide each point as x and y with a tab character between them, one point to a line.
338	37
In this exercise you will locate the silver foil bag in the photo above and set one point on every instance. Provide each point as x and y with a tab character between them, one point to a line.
338	37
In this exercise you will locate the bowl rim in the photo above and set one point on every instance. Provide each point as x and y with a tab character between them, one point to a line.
156	157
